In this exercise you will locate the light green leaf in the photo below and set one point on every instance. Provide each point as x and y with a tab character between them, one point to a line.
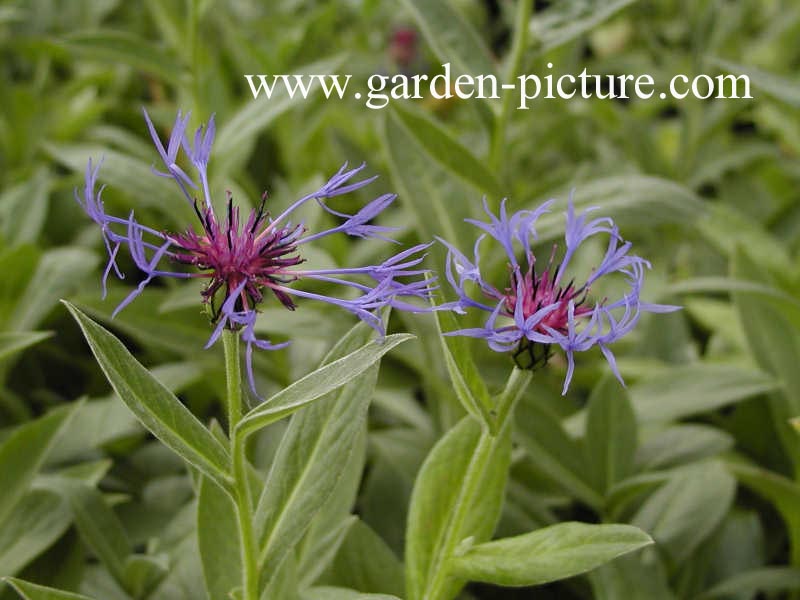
17	341
467	381
237	136
153	404
569	20
124	48
319	383
444	148
610	434
34	525
365	563
126	174
773	334
682	444
32	591
633	200
704	285
553	452
338	593
98	525
727	229
23	209
451	38
314	452
767	581
780	491
633	578
549	554
218	539
438	490
781	88
683	513
58	274
435	198
23	452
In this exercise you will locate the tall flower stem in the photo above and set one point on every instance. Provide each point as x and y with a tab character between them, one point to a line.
470	484
523	16
241	490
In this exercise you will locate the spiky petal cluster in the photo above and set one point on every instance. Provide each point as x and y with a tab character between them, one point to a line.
242	261
539	310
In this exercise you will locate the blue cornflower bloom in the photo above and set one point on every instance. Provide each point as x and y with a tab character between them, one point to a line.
244	260
539	309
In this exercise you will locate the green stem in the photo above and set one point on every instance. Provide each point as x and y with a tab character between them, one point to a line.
241	488
523	17
233	372
517	384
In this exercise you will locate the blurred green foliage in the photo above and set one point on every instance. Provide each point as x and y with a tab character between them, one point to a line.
698	450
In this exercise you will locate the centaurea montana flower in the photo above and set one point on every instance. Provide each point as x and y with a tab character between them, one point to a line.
245	260
539	310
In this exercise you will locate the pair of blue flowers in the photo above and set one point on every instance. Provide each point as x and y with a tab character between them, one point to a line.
243	259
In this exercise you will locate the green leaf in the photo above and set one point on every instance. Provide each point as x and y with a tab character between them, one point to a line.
444	148
338	593
695	389
34	525
553	452
780	491
97	524
314	452
773	334
704	285
767	581
437	491
632	578
682	444
58	274
23	209
434	197
218	539
569	20
467	381
153	404
237	136
32	591
681	392
728	229
781	88
549	554
685	511
124	48
610	434
13	342
23	452
450	37
320	382
633	200
365	563
126	174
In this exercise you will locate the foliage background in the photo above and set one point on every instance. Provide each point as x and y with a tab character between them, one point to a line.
698	450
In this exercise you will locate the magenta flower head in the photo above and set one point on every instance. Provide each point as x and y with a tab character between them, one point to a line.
541	308
245	260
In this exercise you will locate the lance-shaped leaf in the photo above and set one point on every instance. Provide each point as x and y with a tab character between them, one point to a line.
312	456
317	384
23	452
549	554
32	591
440	488
154	405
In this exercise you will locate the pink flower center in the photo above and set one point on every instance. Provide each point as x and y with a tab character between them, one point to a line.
230	254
